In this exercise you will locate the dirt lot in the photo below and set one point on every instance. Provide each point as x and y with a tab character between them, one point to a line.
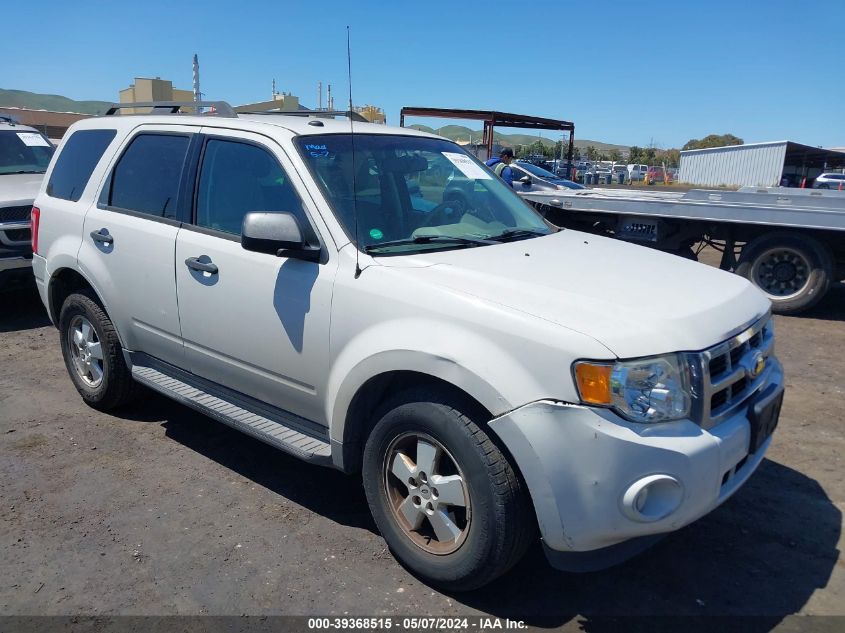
158	510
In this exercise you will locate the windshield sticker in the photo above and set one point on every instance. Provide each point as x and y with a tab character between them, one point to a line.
316	151
468	168
376	234
33	139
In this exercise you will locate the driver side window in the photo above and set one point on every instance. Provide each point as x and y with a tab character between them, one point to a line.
237	178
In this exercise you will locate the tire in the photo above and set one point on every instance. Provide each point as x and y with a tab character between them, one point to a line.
793	270
497	520
99	374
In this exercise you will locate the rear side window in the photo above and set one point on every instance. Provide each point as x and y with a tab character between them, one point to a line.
146	178
237	178
77	160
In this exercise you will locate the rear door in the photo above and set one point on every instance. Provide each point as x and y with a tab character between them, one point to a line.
258	324
129	239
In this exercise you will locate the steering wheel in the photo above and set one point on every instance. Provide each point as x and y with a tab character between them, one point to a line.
444	213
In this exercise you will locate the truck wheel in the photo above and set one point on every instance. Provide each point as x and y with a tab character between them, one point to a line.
445	498
794	270
93	354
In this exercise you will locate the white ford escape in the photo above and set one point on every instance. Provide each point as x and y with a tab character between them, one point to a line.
382	303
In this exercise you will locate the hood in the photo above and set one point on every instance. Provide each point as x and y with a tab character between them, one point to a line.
19	189
635	300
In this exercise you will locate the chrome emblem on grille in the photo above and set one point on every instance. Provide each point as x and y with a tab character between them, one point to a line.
758	364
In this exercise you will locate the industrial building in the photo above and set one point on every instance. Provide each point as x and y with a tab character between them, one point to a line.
52	124
372	113
279	102
152	89
758	164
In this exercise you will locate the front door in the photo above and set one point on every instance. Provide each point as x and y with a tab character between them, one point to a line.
257	323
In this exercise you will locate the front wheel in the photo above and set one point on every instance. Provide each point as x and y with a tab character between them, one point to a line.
445	498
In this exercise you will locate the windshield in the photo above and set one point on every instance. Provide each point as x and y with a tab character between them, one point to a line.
415	193
24	152
537	171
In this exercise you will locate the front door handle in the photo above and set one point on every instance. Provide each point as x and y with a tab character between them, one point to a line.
102	236
195	264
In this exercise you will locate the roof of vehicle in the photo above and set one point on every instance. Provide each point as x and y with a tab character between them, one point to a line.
5	125
261	123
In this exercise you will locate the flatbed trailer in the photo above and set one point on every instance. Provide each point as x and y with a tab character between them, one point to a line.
788	242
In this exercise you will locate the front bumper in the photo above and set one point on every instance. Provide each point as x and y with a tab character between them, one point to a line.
581	463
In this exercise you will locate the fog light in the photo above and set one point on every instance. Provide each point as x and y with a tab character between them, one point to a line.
652	498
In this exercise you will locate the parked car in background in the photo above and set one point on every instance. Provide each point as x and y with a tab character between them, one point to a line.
24	156
637	172
602	175
528	177
658	174
620	170
830	181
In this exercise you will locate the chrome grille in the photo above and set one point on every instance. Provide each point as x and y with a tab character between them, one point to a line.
15	214
723	376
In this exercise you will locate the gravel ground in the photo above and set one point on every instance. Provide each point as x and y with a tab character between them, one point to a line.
159	510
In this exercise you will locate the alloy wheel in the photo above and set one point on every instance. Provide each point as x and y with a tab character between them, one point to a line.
85	351
427	493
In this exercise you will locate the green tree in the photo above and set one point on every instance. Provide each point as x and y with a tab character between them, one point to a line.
592	153
615	155
636	155
713	140
672	157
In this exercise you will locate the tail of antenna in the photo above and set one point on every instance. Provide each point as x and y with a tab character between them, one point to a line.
352	142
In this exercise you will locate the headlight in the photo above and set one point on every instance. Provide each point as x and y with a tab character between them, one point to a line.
646	390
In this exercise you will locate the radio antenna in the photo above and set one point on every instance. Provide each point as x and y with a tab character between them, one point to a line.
352	142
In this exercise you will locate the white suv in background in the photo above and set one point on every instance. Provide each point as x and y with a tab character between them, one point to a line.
24	156
487	373
830	181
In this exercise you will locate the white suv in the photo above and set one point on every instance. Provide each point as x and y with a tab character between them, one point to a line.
489	374
830	181
24	156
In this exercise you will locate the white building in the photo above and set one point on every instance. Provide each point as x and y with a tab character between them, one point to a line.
757	164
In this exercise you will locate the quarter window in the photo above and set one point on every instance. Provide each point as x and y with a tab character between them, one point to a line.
146	179
75	163
238	178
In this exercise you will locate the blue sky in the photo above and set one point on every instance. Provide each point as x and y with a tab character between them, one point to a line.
624	72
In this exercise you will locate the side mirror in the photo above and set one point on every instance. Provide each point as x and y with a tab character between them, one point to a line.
277	234
526	180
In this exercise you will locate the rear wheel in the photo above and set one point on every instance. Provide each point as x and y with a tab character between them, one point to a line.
794	270
445	498
93	354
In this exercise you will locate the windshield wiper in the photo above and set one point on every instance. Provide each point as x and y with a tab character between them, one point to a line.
427	239
22	171
509	234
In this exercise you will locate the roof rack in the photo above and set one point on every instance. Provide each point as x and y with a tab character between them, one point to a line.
221	108
312	113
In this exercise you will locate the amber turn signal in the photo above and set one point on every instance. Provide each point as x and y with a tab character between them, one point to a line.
593	382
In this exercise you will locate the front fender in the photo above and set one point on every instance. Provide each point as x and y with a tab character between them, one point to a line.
460	357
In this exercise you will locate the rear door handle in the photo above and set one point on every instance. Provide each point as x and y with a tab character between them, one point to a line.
195	264
102	236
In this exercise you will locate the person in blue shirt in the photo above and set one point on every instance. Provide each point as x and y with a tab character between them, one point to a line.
500	166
